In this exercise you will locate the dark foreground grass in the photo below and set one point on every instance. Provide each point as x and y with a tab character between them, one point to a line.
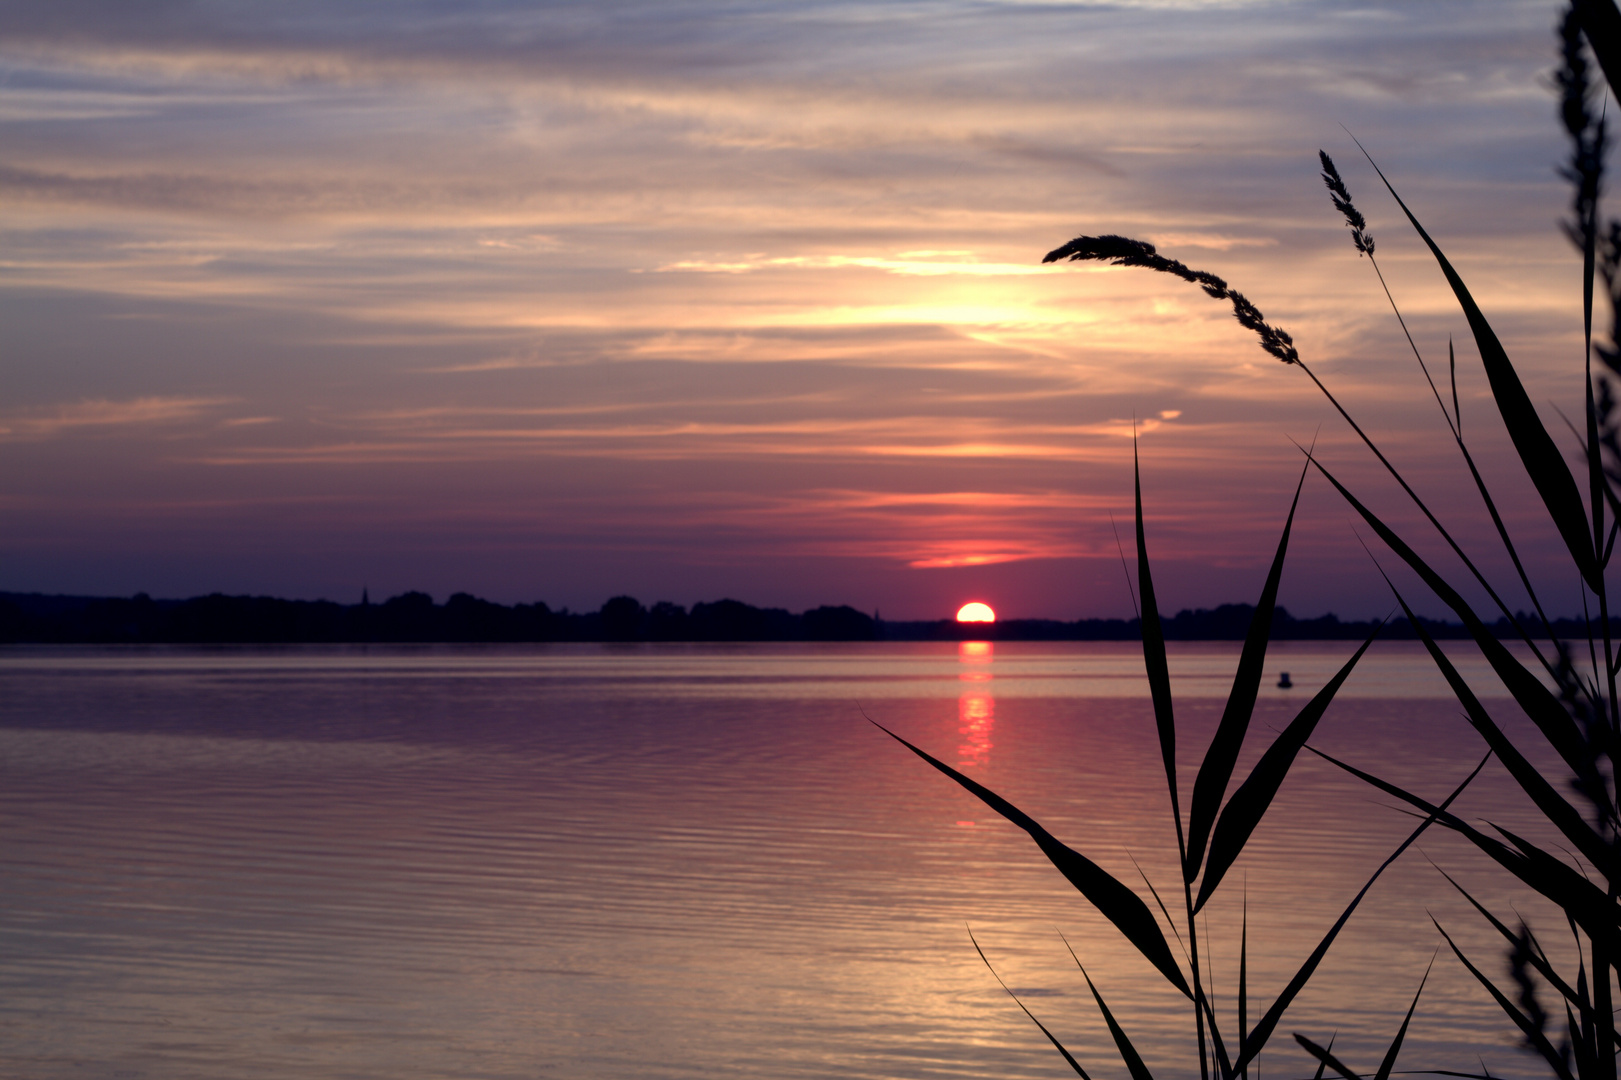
1208	844
1569	692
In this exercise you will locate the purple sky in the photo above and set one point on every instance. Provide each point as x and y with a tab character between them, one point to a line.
556	301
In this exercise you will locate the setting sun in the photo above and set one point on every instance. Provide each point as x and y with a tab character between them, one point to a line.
976	612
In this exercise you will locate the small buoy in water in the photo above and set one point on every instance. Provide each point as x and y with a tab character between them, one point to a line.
1283	681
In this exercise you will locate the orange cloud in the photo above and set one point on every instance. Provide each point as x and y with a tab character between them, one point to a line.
102	414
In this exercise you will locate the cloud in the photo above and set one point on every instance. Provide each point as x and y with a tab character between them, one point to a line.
918	265
504	259
103	415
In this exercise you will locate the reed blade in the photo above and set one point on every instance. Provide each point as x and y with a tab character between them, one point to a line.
1542	460
1581	899
1122	1043
1250	802
1244	969
1050	1036
1452	370
1323	1057
1117	903
1533	1034
1580	1045
1540	963
1389	1062
1558	810
1321	1064
1574	894
1256	1039
1601	23
1224	1064
1538	702
1217	769
1159	673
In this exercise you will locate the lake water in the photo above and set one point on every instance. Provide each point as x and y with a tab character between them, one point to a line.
690	861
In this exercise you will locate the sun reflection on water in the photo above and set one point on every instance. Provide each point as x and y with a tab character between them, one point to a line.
976	707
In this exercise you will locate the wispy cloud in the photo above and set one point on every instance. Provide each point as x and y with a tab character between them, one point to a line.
726	282
103	415
919	264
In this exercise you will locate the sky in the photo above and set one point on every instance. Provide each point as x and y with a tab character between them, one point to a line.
559	301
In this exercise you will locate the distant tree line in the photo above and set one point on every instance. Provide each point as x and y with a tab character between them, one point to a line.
414	617
409	617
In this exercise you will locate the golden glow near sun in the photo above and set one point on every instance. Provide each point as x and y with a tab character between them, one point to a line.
976	612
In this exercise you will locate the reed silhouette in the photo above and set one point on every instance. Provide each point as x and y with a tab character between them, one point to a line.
1568	692
1209	839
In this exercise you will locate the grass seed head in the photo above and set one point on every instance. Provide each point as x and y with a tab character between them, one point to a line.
1124	251
1342	202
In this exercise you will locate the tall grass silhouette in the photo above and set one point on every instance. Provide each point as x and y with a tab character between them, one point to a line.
1212	835
1568	692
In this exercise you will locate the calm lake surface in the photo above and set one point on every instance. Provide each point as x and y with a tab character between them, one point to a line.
693	861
